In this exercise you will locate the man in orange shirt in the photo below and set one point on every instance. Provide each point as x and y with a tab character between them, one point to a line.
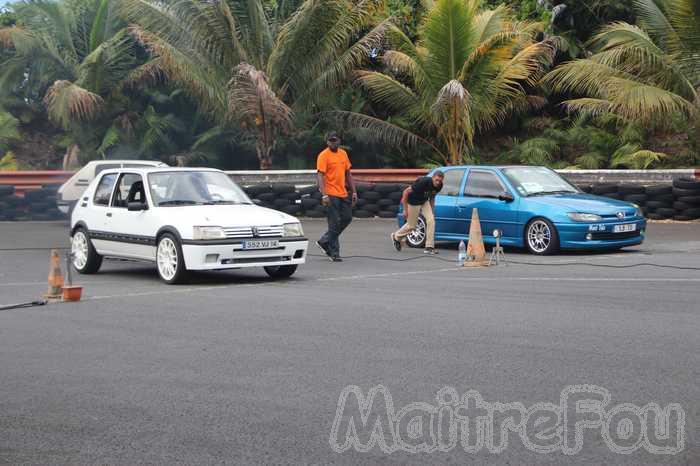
334	175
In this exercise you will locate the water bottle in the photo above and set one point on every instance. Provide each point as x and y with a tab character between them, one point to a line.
462	254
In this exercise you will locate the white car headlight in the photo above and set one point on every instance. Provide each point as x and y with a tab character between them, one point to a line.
201	233
582	217
293	229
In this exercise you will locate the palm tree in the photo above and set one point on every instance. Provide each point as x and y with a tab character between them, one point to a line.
648	73
469	71
75	56
247	65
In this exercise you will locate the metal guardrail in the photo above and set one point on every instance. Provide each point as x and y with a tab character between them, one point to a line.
28	180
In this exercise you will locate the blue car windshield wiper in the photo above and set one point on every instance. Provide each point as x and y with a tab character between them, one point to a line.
544	193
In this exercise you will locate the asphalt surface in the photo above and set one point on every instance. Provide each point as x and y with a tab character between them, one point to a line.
235	368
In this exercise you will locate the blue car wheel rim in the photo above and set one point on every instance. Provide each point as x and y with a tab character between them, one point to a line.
417	235
539	236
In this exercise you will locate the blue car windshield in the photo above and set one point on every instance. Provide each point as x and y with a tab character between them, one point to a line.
537	181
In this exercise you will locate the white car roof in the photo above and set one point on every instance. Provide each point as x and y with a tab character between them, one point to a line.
146	170
146	163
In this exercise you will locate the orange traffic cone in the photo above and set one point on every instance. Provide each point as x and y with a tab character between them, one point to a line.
476	252
55	276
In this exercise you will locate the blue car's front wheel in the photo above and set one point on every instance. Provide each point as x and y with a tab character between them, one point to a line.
416	238
541	237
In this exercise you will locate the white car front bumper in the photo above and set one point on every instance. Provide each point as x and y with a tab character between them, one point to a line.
230	255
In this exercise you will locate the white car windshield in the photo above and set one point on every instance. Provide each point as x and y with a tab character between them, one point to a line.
194	188
537	181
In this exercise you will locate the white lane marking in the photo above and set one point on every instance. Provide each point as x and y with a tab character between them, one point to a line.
170	290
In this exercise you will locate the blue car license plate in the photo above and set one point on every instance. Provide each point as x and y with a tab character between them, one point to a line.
624	228
261	244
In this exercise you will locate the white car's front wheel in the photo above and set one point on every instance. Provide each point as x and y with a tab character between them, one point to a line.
169	259
83	255
281	271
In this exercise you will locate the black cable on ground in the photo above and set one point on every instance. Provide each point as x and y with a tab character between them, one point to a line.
562	264
22	305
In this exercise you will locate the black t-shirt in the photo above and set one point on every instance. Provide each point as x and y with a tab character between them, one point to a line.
422	190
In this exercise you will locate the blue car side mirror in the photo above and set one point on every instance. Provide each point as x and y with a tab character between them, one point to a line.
506	196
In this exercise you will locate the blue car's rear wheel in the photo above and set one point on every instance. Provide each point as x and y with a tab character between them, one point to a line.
541	237
416	238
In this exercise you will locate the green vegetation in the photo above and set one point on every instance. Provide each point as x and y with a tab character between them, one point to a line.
256	83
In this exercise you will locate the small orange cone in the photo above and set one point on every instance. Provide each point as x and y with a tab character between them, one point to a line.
476	252
55	276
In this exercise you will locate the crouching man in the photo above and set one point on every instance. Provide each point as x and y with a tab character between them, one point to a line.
420	198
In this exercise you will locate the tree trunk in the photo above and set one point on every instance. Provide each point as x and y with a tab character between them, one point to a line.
264	156
70	159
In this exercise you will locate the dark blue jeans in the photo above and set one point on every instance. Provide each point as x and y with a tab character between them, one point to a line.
339	214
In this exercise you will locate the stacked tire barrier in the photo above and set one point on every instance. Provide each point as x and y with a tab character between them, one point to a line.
374	200
38	204
678	201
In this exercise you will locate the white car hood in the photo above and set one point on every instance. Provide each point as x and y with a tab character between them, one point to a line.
231	215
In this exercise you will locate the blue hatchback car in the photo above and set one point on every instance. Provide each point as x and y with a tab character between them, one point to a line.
533	207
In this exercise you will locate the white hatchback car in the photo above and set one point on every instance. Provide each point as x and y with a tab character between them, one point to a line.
182	219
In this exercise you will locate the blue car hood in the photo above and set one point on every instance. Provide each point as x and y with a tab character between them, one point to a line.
582	202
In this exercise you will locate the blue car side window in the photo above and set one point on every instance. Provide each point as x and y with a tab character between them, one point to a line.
452	184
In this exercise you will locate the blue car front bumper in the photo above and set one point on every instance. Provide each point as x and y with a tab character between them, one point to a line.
599	235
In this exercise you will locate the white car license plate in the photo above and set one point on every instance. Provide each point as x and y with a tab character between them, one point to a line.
261	244
625	228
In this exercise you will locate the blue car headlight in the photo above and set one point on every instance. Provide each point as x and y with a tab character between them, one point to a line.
583	217
638	211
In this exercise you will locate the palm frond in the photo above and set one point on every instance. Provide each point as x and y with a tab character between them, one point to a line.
68	103
449	35
251	98
388	92
379	130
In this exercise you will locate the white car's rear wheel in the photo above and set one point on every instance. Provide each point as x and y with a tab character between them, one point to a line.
83	255
169	259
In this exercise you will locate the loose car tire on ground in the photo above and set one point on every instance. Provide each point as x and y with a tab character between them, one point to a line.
280	271
686	183
170	262
541	237
84	257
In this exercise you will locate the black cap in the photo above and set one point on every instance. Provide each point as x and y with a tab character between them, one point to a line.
332	135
